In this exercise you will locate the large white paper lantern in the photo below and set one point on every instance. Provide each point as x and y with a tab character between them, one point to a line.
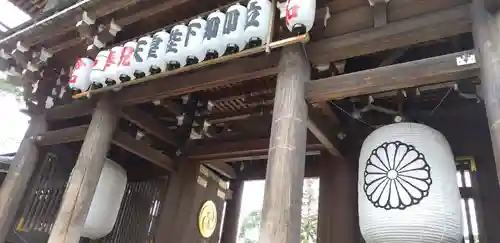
111	70
97	77
140	64
125	68
233	33
407	188
300	15
257	27
176	50
213	35
80	77
106	202
195	50
157	49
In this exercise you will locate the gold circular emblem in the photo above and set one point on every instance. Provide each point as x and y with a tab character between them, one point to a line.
207	219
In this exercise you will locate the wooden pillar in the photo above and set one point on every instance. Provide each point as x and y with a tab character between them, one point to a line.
85	175
20	172
281	213
338	206
232	215
486	32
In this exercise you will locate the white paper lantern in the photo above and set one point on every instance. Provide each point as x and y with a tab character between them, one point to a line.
106	202
407	187
257	27
125	70
111	70
157	49
233	33
97	77
80	77
176	50
300	15
213	35
195	50
140	64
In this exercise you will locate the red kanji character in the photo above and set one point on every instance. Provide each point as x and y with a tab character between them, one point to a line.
73	78
126	55
111	59
291	12
79	64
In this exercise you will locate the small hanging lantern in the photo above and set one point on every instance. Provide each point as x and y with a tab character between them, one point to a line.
213	35
300	15
80	77
125	70
195	50
157	49
140	64
257	24
176	51
97	76
111	70
234	28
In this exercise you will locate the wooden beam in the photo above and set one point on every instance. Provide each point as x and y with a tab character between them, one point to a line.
234	151
411	74
66	135
321	130
149	124
487	40
287	150
76	109
230	73
85	175
232	215
142	150
224	169
427	27
14	186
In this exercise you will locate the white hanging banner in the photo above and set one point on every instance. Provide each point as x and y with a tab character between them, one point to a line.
125	70
213	35
97	76
195	50
80	78
140	64
257	23
156	54
407	187
233	33
176	51
300	15
111	70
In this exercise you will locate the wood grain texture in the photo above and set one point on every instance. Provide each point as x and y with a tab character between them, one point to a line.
149	124
411	74
20	172
66	135
232	215
85	175
487	40
281	213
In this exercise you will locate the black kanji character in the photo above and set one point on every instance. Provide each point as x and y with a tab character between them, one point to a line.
139	49
231	23
253	14
175	36
212	28
155	45
191	31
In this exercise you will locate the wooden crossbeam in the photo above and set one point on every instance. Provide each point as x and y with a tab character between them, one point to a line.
223	169
76	109
411	74
323	131
414	30
66	135
142	150
235	151
149	124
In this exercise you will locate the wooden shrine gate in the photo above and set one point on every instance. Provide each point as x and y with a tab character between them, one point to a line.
136	219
